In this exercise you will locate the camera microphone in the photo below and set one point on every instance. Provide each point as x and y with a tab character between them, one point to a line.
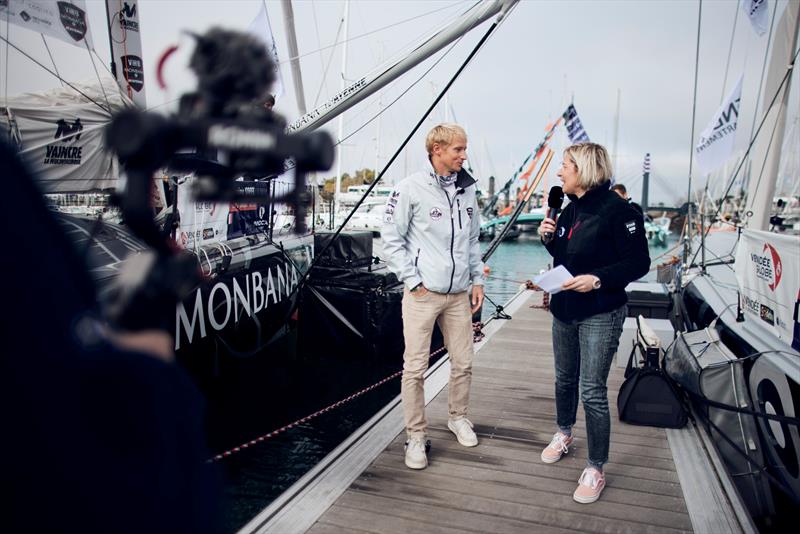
554	201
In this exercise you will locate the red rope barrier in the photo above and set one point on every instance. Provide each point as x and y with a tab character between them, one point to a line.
477	335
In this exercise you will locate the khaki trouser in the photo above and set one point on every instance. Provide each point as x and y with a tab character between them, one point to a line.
452	312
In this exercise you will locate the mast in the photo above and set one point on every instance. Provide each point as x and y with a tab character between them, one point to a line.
369	84
646	182
291	38
767	156
125	40
340	135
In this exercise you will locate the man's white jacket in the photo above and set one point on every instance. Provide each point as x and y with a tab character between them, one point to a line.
430	236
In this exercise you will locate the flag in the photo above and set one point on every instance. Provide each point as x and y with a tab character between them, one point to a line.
66	21
574	127
716	141
261	29
757	11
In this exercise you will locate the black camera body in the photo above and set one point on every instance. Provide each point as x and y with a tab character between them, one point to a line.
220	133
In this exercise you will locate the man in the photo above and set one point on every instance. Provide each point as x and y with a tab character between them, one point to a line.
622	191
430	238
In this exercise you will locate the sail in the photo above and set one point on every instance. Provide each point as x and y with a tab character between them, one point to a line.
66	21
61	135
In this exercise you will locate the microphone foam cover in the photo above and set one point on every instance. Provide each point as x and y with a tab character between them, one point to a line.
556	197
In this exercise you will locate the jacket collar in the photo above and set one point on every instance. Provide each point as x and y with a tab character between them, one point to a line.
463	178
591	193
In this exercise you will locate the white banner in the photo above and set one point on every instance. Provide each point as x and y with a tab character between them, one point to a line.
201	222
757	11
768	271
716	141
63	20
123	23
61	133
261	29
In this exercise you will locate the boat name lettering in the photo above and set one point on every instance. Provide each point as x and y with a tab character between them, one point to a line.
311	116
233	137
246	295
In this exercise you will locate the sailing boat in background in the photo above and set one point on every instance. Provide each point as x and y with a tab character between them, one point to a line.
746	302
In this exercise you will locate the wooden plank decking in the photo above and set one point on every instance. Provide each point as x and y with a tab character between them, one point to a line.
501	485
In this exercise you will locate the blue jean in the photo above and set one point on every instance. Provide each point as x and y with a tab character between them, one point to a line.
584	350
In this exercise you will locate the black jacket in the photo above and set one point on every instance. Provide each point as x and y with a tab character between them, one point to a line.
599	234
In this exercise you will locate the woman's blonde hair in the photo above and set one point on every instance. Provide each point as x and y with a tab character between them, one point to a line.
592	162
444	135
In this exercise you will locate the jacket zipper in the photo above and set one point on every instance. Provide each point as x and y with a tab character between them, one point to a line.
417	258
458	202
452	240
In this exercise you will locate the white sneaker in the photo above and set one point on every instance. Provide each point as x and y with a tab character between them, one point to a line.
462	428
415	454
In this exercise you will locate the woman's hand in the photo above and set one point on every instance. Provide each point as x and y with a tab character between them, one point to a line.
582	283
547	226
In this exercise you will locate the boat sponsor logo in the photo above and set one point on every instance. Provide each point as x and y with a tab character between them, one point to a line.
767	315
74	20
768	266
133	71
337	99
436	213
469	212
241	296
68	153
126	17
24	16
631	226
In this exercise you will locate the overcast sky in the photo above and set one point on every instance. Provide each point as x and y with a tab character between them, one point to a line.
544	55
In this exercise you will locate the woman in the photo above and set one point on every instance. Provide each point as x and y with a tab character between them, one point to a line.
600	240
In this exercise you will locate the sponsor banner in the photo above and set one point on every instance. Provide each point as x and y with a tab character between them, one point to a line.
716	141
757	11
66	21
768	271
261	29
126	41
201	223
574	126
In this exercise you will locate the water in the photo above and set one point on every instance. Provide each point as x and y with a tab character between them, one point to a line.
258	475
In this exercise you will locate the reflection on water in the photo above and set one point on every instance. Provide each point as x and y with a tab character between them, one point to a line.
258	475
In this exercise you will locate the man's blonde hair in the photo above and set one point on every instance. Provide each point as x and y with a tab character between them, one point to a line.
444	135
592	162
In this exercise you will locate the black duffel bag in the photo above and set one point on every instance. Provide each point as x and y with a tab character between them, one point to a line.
648	397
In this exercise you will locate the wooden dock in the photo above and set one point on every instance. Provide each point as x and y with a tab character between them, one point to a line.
502	485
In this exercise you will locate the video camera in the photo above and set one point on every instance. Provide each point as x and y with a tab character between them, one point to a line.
233	71
222	118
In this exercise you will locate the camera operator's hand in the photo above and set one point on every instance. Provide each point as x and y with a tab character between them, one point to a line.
157	343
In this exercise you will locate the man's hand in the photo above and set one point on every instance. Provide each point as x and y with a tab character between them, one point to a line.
419	291
582	283
477	298
547	226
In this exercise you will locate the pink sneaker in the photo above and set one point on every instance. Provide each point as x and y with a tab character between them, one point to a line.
590	486
559	446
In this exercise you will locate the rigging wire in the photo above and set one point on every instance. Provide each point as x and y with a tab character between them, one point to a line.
322	83
789	70
37	62
53	61
335	44
688	238
96	73
397	152
730	49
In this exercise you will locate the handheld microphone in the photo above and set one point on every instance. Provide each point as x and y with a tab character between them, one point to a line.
554	201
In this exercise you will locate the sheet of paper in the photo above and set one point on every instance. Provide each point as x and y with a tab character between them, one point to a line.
552	280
